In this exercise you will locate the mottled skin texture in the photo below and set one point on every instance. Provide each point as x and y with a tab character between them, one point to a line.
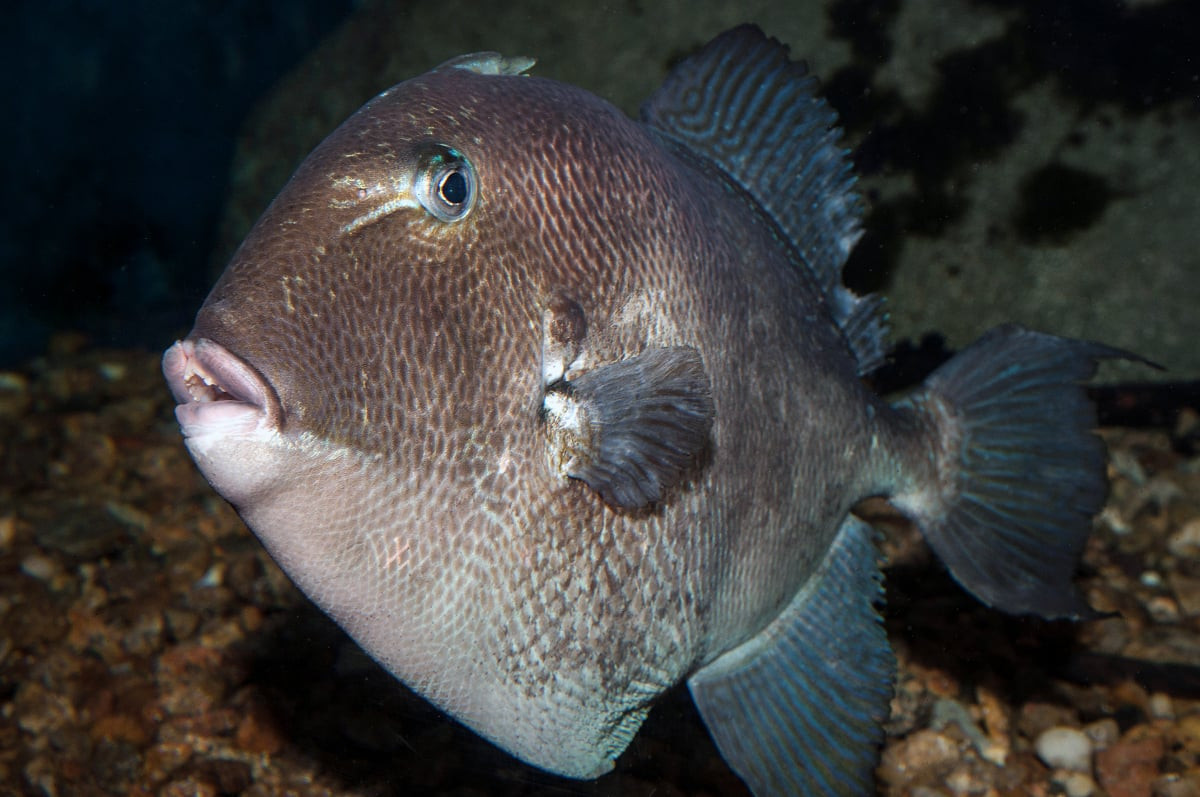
408	489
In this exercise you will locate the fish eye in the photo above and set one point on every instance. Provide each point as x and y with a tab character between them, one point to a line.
446	184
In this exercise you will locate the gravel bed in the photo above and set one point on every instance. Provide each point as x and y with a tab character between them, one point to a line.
148	645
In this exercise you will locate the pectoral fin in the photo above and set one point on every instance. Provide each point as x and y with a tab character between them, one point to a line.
631	429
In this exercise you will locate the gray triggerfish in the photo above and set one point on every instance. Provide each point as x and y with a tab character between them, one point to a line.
551	410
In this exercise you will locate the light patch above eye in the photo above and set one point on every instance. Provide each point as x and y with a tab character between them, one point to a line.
443	183
362	193
379	211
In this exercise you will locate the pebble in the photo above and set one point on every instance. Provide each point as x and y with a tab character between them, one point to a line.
1163	610
1076	784
1102	732
1151	579
1036	717
258	732
1186	542
1065	748
8	532
1189	730
1187	592
132	678
924	753
40	566
15	399
1129	767
1160	706
83	531
1186	785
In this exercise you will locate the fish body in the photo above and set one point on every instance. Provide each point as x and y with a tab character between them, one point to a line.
552	409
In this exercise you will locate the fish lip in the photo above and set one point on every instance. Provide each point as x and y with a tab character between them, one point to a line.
217	391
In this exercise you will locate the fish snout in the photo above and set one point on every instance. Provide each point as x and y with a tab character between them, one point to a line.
217	391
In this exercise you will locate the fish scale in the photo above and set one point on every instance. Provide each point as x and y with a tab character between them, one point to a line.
553	410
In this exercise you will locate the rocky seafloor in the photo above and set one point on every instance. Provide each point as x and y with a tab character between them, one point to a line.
148	644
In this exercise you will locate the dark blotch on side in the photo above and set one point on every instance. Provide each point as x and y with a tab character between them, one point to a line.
568	324
1096	53
866	24
1058	201
1110	51
968	119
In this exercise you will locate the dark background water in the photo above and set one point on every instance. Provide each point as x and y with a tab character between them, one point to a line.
120	139
117	145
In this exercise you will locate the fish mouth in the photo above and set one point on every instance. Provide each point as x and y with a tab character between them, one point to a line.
217	391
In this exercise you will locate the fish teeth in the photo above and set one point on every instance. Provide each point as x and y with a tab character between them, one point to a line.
201	386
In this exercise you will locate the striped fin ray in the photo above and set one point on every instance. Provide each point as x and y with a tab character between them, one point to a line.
743	105
798	709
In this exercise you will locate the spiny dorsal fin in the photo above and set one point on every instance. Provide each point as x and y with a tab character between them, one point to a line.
490	63
742	104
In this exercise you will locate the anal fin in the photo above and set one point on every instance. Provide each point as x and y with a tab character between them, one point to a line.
798	709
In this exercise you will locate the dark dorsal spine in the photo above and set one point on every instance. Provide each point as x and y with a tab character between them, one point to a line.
742	104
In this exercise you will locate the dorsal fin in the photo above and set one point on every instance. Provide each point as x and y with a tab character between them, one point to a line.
742	104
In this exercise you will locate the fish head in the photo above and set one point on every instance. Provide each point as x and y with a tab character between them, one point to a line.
363	382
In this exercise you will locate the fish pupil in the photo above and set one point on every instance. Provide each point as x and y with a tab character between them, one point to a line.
453	188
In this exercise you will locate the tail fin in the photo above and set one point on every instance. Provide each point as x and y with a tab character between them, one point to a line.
1020	471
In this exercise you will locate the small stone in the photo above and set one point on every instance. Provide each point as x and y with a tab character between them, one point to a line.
1187	592
146	635
82	530
1129	767
1178	785
252	618
41	773
65	343
113	371
948	712
996	725
190	787
121	727
1075	784
230	776
963	780
259	733
40	566
1185	543
1163	609
181	623
925	791
129	515
8	532
1187	423
1038	717
163	759
1065	748
14	394
1160	707
924	753
39	711
1188	729
1109	635
1102	732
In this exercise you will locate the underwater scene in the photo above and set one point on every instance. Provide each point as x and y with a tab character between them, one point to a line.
630	432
